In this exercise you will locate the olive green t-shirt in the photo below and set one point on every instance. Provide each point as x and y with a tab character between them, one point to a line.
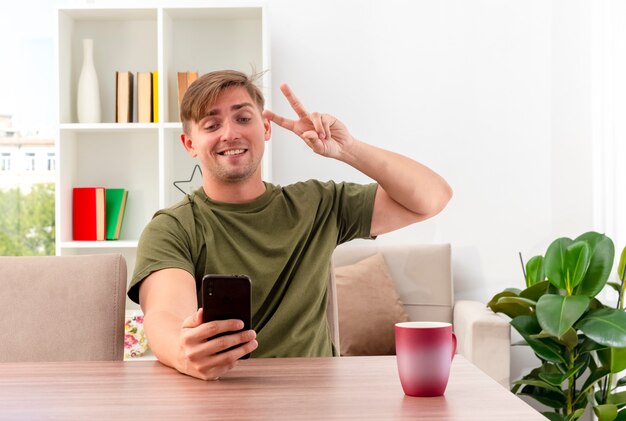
283	241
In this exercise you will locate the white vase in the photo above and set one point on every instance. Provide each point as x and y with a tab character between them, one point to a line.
88	98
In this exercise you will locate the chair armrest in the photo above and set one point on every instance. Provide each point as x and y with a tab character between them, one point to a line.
484	338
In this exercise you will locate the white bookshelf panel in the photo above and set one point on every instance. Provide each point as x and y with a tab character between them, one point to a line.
127	159
144	158
204	40
123	41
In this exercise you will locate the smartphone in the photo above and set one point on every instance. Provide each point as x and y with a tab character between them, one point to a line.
226	297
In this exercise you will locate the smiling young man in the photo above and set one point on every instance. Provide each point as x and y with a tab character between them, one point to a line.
282	237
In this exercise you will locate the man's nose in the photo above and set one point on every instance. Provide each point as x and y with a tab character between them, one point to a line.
230	131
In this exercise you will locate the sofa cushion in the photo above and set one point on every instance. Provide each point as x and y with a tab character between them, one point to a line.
368	307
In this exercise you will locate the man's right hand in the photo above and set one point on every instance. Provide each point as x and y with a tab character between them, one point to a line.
176	333
205	358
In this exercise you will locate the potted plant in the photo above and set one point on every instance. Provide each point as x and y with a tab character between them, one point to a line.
580	341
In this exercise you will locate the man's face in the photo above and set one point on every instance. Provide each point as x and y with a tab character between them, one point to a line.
229	139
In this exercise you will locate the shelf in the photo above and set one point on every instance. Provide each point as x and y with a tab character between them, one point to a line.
143	158
173	126
107	14
117	244
108	127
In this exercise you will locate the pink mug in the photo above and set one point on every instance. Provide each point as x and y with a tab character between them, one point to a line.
424	353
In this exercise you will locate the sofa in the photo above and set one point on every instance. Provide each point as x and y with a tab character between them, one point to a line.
421	278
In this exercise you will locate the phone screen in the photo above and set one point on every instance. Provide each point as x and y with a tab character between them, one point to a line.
226	297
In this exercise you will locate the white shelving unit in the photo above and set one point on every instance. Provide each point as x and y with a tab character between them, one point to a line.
144	158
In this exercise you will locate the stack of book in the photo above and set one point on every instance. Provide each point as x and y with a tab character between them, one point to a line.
98	213
147	97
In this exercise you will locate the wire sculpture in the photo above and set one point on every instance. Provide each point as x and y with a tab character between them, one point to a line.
193	174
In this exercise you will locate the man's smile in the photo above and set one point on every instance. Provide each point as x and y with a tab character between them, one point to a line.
231	152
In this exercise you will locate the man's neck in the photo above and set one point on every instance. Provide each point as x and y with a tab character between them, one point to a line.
239	192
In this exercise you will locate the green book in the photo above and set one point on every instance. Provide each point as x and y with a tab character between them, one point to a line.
116	205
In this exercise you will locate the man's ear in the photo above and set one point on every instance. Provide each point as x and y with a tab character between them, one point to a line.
267	125
188	144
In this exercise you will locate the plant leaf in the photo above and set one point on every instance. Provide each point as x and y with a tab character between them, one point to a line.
553	416
616	286
621	416
534	271
539	383
580	365
550	398
576	414
606	326
618	360
577	259
517	300
602	252
528	326
569	339
554	261
613	358
622	263
536	291
511	310
596	304
594	377
617	398
556	379
606	412
556	314
499	295
588	345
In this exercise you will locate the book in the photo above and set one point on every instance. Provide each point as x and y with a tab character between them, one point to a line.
124	97
89	213
182	86
184	80
144	97
155	97
191	78
115	209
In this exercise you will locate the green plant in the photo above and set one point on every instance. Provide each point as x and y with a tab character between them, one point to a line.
27	221
580	342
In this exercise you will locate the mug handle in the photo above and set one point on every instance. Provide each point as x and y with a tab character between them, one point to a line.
453	346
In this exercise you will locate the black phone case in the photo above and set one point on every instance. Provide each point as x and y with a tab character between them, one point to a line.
227	297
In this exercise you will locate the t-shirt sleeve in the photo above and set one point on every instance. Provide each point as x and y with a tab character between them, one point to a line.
354	206
163	244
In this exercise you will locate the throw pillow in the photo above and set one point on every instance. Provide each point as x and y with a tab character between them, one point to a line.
369	306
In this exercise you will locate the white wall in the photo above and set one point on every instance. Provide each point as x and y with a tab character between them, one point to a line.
493	95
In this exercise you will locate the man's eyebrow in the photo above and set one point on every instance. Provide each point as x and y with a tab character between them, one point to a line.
234	107
240	106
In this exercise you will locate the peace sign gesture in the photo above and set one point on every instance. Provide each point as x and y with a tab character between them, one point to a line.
323	133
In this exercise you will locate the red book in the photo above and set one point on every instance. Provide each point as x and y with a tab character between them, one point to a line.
89	213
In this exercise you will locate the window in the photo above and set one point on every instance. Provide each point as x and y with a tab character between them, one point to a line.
52	163
27	172
29	161
5	161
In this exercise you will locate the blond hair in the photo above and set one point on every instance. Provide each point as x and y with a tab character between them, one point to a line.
203	93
